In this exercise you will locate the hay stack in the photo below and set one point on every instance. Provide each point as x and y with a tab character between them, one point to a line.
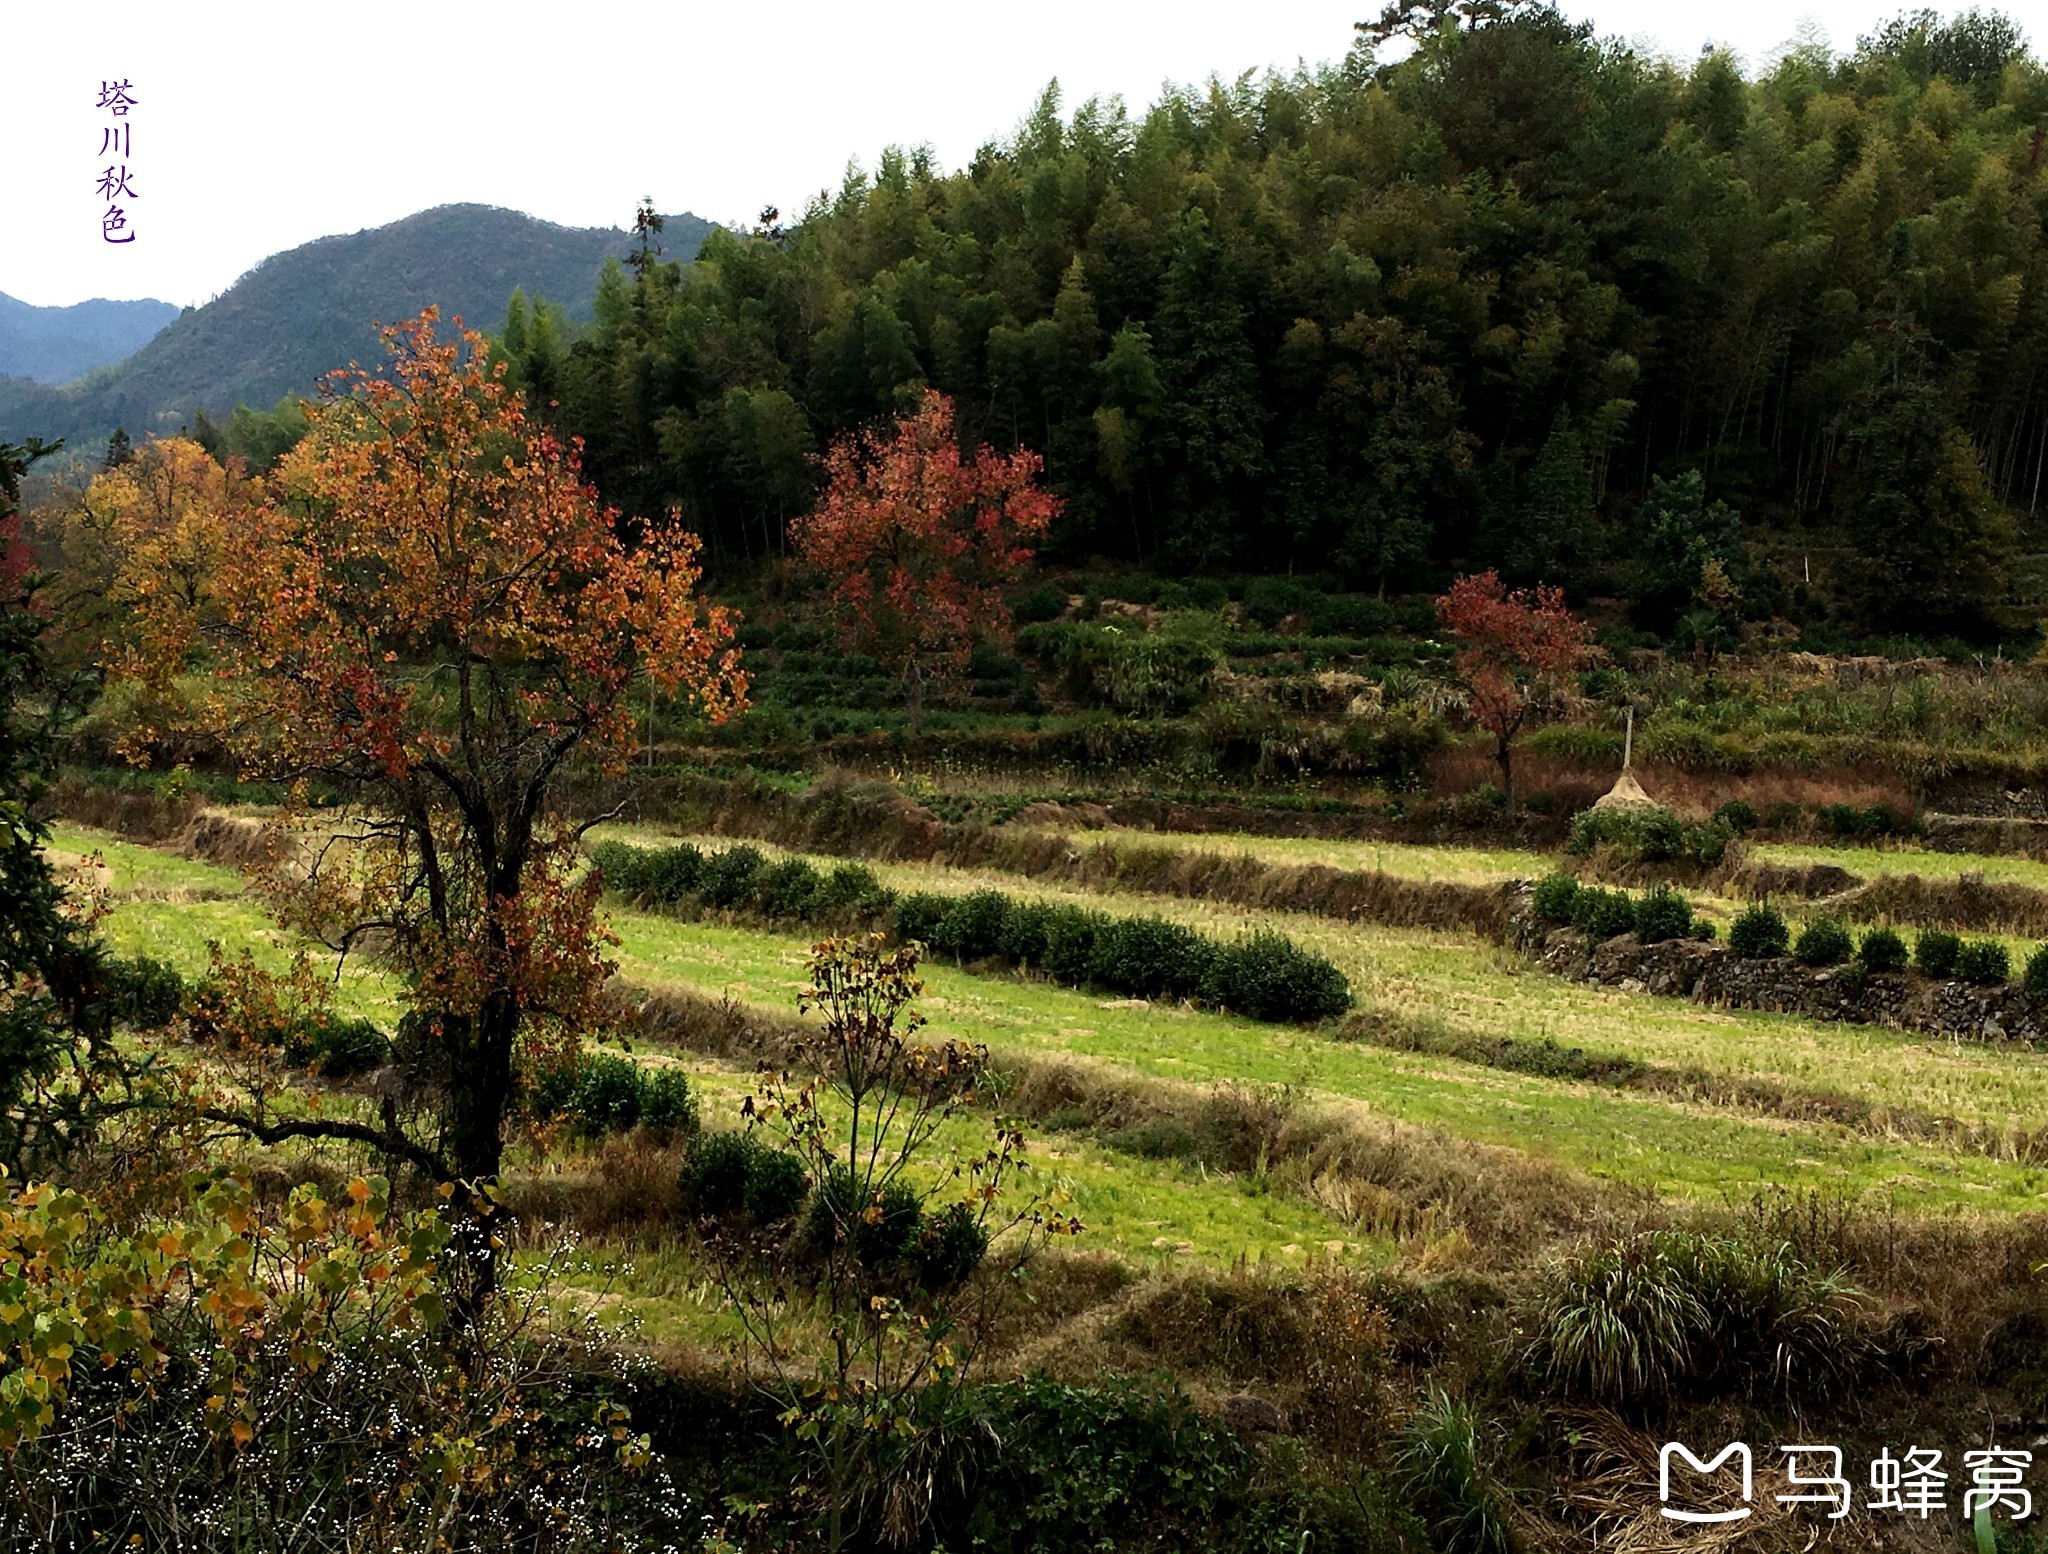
1626	793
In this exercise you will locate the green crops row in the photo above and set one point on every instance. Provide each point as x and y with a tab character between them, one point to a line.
1262	975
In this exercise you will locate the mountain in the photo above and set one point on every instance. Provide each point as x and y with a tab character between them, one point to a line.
55	345
304	312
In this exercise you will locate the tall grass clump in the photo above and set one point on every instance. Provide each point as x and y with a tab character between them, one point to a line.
1660	1316
1440	1469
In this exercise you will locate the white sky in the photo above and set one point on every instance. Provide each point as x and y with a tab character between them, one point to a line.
260	127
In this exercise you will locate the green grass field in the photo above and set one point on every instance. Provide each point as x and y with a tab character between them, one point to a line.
1691	1148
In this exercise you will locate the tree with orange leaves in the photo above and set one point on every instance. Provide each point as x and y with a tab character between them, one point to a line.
1517	649
919	540
427	611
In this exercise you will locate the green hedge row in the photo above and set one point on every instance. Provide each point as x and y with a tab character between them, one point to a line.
1263	975
607	1092
1760	932
1658	913
1650	835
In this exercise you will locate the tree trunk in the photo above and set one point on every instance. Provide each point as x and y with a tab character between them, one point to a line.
1504	757
915	675
480	1092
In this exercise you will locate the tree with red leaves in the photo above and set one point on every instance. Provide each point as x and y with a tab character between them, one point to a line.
428	613
919	540
1517	649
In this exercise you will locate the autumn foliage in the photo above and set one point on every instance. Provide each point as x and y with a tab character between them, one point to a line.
1517	649
919	539
426	611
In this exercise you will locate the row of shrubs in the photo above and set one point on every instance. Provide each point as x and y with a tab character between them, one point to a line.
1657	914
1650	834
1760	932
735	1177
607	1092
1263	975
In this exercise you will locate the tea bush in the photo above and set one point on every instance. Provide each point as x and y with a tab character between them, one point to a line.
144	993
1936	951
2035	977
1554	898
1639	834
1823	942
1758	932
1267	976
1603	914
733	1173
1662	913
1881	950
1983	963
788	888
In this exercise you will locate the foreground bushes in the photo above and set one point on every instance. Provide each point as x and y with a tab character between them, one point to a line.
1263	975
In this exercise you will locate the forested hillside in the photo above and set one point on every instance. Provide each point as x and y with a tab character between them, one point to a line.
1496	304
55	345
293	317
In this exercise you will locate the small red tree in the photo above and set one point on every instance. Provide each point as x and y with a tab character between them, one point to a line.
1516	650
919	540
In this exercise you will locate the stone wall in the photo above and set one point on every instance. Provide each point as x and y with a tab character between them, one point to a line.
1711	974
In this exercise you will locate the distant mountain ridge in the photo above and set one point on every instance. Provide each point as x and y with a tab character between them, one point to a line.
55	345
304	312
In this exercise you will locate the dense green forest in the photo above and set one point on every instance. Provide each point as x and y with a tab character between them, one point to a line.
1521	297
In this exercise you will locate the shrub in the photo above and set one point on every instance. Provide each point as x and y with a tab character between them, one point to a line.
1662	913
879	1232
1823	942
674	872
1936	951
607	1094
1267	976
787	889
666	1104
1881	950
1983	963
1603	914
1025	930
1070	942
730	1173
1634	834
624	868
144	993
1758	932
973	929
1555	894
727	878
1148	957
852	889
919	917
950	1246
1738	816
2035	977
336	1047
